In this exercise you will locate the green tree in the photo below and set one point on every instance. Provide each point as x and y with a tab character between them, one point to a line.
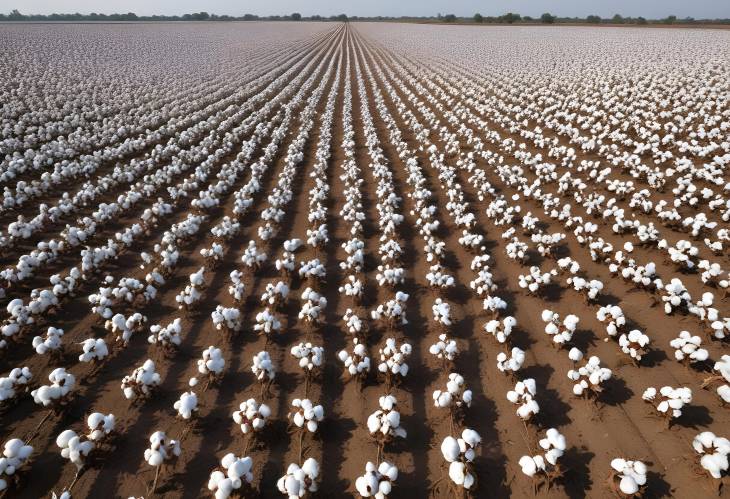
478	18
617	19
510	18
449	18
641	20
547	18
670	20
593	19
296	16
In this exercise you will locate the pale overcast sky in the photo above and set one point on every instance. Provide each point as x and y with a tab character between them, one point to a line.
568	8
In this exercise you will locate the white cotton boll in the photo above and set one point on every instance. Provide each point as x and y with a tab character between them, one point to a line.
628	485
186	405
450	449
575	355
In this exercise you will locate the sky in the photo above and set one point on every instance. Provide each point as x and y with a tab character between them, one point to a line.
565	8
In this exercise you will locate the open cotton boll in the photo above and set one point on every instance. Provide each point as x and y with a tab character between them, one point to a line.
714	451
306	414
310	356
94	349
523	397
575	355
212	362
15	381
234	474
384	423
511	364
263	367
100	425
62	383
377	481
186	405
15	454
445	348
251	416
501	330
161	449
455	395
141	382
460	453
297	482
73	447
629	476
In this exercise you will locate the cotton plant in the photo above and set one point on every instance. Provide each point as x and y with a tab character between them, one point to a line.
237	288
313	306
668	401
211	364
561	332
309	357
588	380
714	451
523	396
275	294
354	325
628	477
168	337
393	361
140	384
589	289
455	396
687	348
384	424
251	416
100	426
56	394
191	295
300	481
226	319
377	481
634	344
722	378
613	317
51	343
460	454
501	330
162	451
535	281
93	350
306	415
267	323
393	311
512	362
232	478
15	455
445	349
353	287
76	448
187	405
14	382
441	313
356	362
494	305
545	468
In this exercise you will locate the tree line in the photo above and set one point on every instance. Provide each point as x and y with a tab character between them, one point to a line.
508	18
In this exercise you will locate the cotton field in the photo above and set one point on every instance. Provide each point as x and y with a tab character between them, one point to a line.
364	260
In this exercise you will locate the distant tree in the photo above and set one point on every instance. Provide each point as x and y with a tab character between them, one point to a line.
617	19
341	18
296	16
316	17
641	20
250	17
15	15
478	18
593	19
527	18
547	18
670	20
510	18
449	18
